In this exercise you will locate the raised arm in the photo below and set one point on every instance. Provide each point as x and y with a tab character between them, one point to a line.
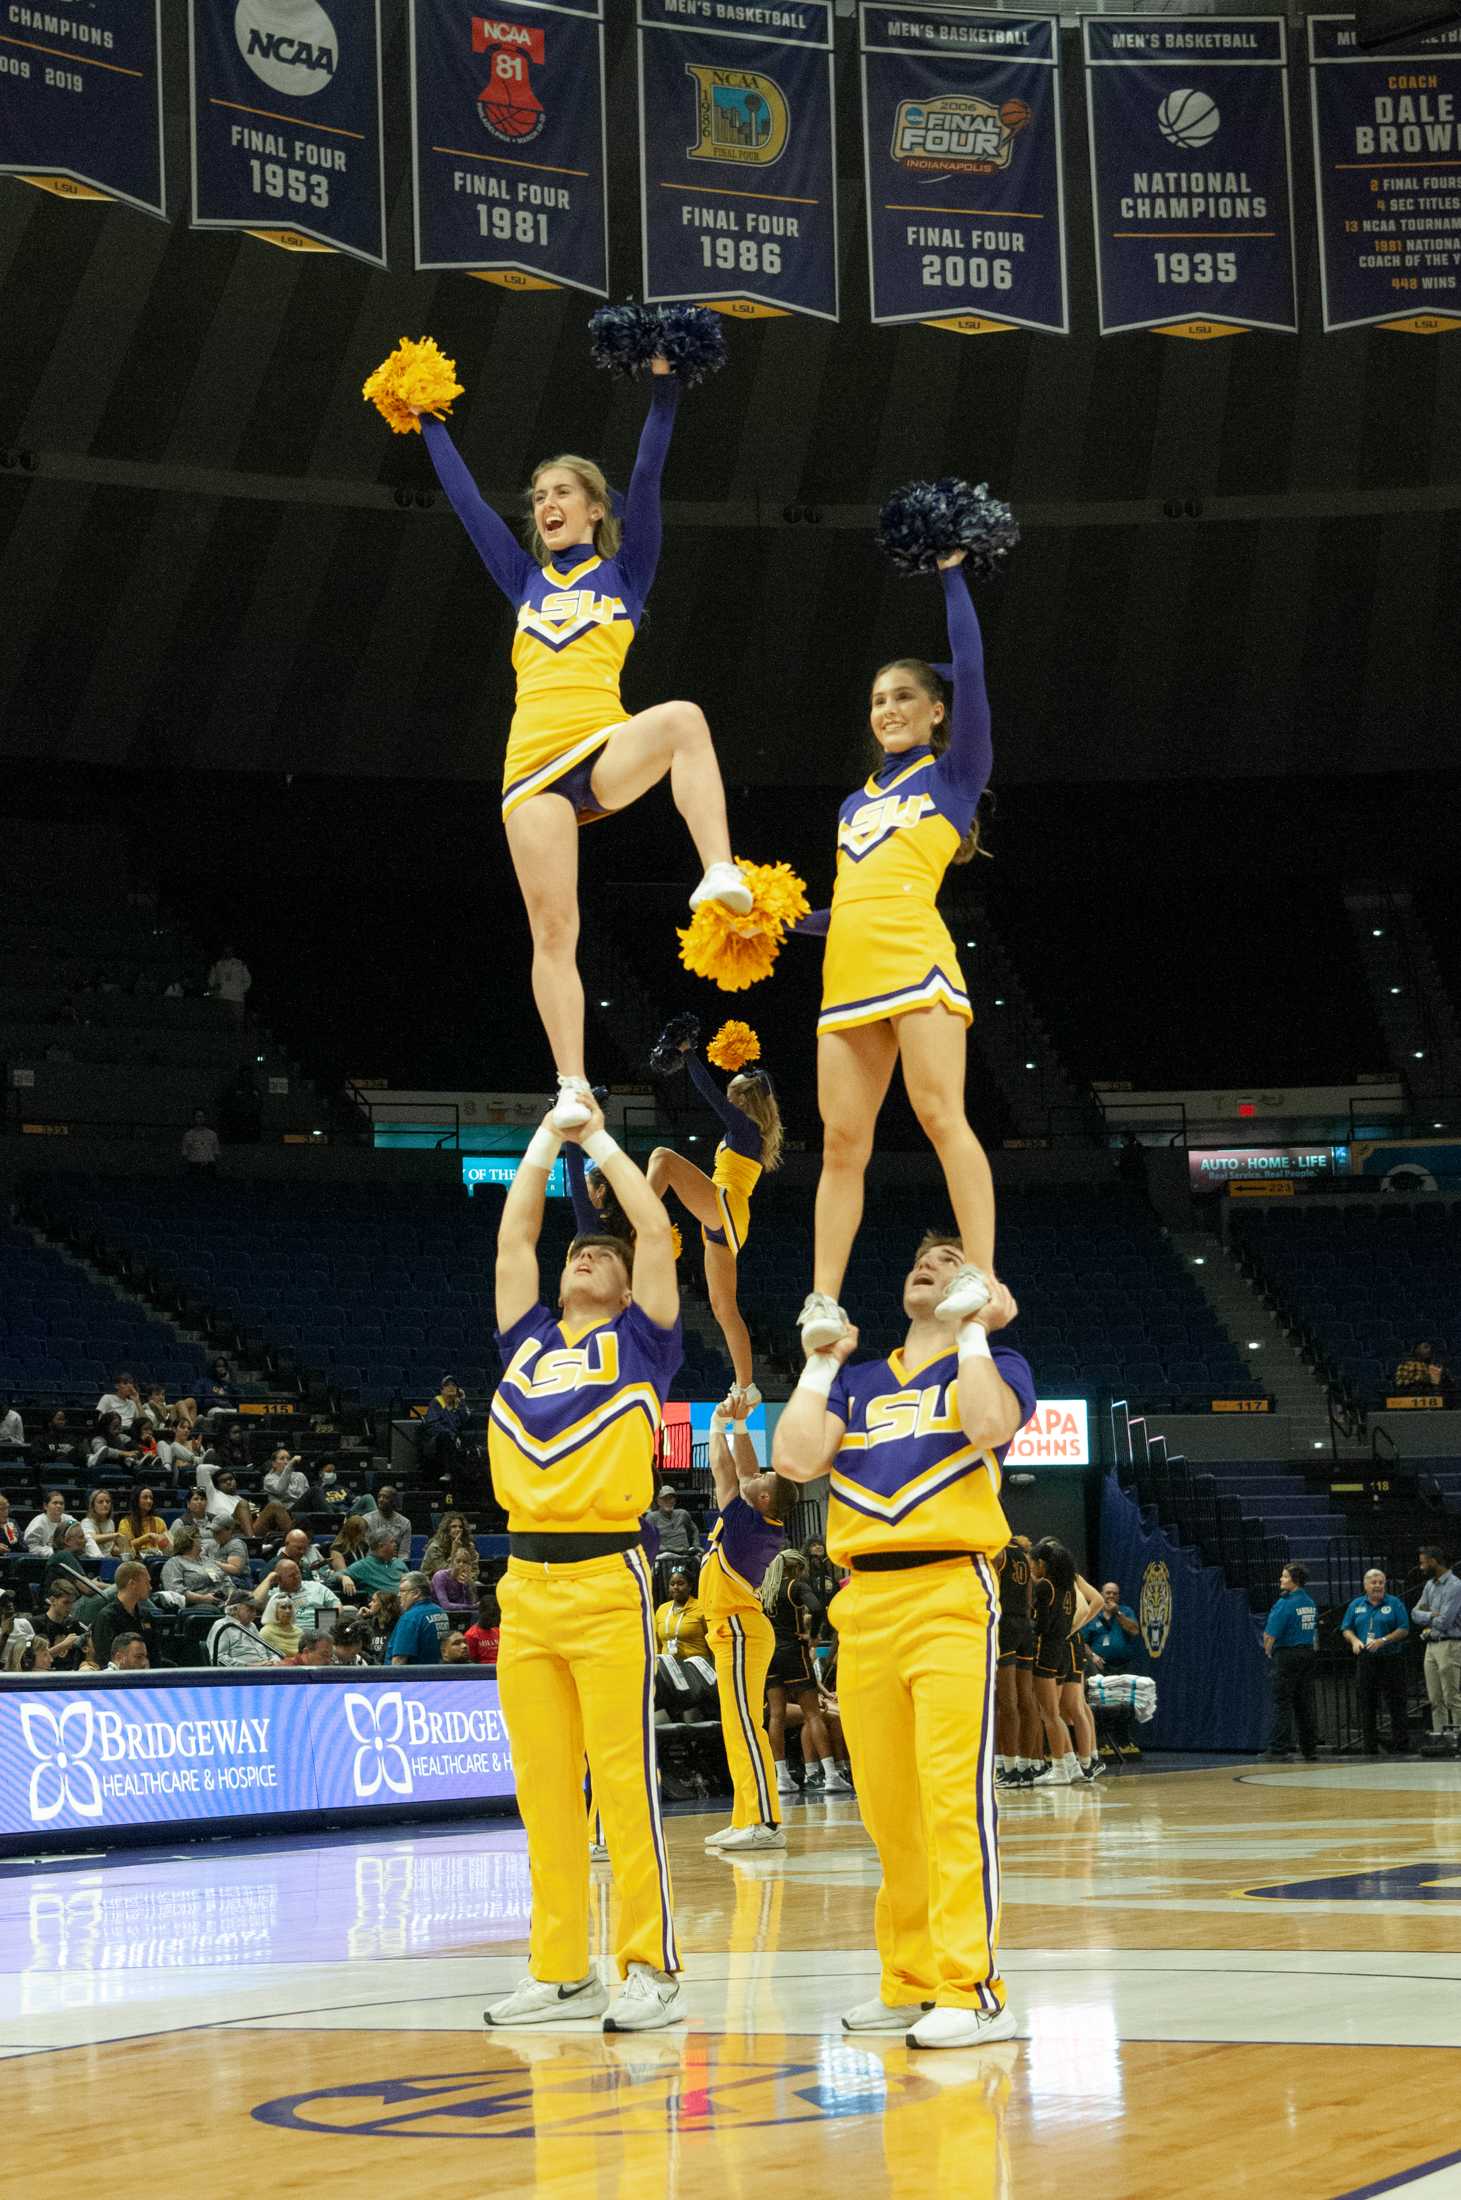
521	1227
723	1470
655	1285
990	1411
639	556
969	757
742	1134
808	1433
587	1221
494	541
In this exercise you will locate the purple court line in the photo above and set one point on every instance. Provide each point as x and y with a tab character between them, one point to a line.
1402	2177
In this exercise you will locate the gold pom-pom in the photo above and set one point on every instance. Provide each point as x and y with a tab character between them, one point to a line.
417	378
734	1045
677	1243
734	952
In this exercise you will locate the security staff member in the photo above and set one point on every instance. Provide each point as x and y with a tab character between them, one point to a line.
1291	1640
1376	1627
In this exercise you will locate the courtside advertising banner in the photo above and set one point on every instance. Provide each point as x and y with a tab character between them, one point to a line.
738	172
961	145
1191	176
507	132
286	98
1387	179
81	100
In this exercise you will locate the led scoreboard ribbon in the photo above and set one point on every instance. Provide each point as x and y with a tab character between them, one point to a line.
81	100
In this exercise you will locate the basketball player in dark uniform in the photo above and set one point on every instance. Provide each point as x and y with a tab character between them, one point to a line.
1017	1721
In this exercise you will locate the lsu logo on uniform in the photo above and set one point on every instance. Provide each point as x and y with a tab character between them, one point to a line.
741	115
290	47
957	134
581	607
873	821
592	1365
901	1415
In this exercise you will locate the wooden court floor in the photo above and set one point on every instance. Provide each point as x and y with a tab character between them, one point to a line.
1235	1981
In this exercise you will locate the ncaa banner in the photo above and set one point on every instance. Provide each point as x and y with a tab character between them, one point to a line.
738	173
961	151
1387	144
508	142
286	98
1191	178
81	100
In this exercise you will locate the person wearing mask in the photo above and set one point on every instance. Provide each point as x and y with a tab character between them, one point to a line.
1291	1642
234	1640
130	1654
484	1634
281	1630
285	1479
200	1582
124	1400
40	1536
124	1613
1376	1627
329	1494
1438	1616
419	1633
678	1535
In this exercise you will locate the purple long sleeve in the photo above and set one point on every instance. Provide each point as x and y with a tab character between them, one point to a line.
639	553
969	757
586	1217
494	541
741	1134
813	926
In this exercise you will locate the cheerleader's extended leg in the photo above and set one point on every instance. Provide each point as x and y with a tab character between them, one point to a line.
854	1069
670	1171
674	738
933	1043
542	837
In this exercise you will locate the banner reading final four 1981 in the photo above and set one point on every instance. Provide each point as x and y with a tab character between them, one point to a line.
507	135
1387	142
81	100
961	146
1191	180
287	140
737	164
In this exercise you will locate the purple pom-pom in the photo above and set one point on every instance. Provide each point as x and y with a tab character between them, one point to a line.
926	520
624	338
668	1054
692	341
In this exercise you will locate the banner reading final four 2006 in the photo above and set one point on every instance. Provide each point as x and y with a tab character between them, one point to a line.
1387	143
1191	180
287	123
961	145
81	100
737	160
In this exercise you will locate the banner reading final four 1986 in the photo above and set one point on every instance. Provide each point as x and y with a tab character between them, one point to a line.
1191	180
737	165
81	100
287	123
507	128
1387	142
961	146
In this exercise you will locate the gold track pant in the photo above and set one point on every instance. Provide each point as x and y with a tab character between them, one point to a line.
741	1645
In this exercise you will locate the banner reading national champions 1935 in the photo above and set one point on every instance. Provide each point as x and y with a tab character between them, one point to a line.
286	109
1190	173
961	149
81	100
738	169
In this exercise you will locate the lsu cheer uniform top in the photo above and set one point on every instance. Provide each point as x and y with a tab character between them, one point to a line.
742	1544
737	1168
739	1549
576	617
888	949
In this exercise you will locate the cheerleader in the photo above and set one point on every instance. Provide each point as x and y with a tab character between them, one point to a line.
747	1537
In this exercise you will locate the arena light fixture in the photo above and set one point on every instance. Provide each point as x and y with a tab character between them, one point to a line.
1394	989
1377	932
1420	1054
1029	1065
1199	1260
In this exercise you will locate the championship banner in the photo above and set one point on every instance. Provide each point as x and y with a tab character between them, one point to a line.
1191	179
738	172
81	101
507	137
961	152
1387	156
287	141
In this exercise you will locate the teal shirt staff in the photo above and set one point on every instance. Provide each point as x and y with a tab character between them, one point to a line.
1293	1624
1373	1622
1109	1639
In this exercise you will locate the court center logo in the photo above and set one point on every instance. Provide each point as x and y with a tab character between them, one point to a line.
291	45
507	106
1154	1611
377	1723
61	1778
741	116
957	134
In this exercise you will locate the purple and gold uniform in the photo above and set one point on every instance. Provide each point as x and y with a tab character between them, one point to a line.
741	1546
914	1510
888	949
576	618
736	1170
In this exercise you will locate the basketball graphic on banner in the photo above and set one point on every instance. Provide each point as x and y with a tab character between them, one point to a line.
1188	118
508	105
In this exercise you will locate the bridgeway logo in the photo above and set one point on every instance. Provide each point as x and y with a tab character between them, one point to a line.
61	1778
378	1722
291	45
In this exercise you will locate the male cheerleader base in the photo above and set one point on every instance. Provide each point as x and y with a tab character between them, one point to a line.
571	1438
747	1535
913	1445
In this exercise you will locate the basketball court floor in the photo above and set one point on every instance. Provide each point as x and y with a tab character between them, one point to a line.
1236	1980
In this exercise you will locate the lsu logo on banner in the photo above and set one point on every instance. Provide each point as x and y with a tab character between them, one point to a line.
508	106
957	134
1154	1611
290	45
741	115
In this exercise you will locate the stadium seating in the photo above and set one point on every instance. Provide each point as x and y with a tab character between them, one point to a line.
68	1337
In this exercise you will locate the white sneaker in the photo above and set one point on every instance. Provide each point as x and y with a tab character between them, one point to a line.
1095	1770
725	883
648	2000
533	2001
721	1833
962	2028
839	1784
742	1838
1066	1771
575	1104
965	1295
598	1852
878	2015
821	1322
747	1401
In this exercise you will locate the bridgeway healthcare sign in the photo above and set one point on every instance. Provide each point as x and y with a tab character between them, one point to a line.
81	99
83	1758
961	151
1387	179
1191	176
738	174
507	142
286	114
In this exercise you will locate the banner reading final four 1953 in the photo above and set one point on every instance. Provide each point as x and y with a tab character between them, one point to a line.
961	145
1191	179
81	100
737	164
507	126
287	137
1387	143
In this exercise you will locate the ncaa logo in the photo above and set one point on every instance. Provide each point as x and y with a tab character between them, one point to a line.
377	1724
289	44
1154	1612
61	1779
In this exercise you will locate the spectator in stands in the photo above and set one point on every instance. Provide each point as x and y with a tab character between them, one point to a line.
307	1556
14	1628
1376	1628
12	1428
11	1538
110	1445
199	1581
100	1526
179	1450
234	1639
69	1556
1410	1372
314	1649
41	1535
1291	1641
142	1528
384	1520
483	1635
199	1147
285	1479
380	1571
58	1441
678	1535
123	1400
286	1584
381	1615
349	1648
229	980
455	1587
220	1490
454	1651
279	1630
58	1624
679	1624
155	1409
453	1531
329	1493
129	1655
35	1656
443	1442
419	1633
226	1544
195	1508
273	1526
348	1549
217	1397
1438	1616
124	1613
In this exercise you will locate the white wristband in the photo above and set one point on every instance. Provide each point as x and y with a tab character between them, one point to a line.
599	1146
819	1375
973	1342
542	1149
718	1421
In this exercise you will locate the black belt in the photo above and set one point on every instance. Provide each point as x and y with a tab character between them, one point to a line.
894	1562
570	1550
